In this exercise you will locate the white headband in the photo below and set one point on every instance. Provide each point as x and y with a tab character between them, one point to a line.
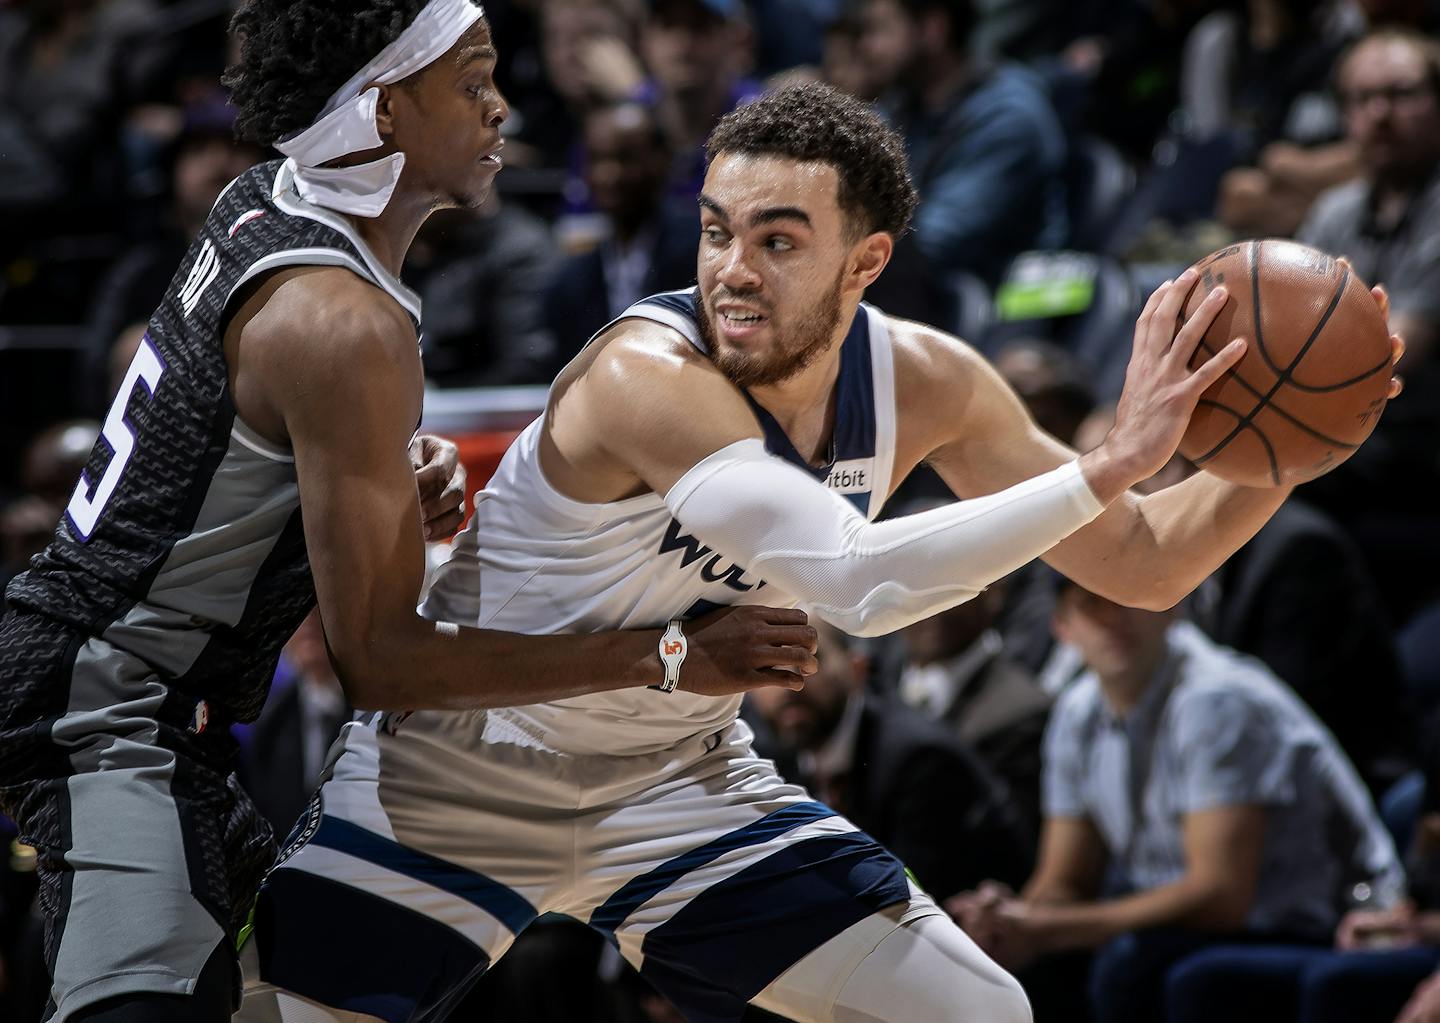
347	123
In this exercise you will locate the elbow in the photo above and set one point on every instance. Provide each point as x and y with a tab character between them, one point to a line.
365	688
888	608
372	679
1159	593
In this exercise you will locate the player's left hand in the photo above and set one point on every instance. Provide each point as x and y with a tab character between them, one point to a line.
440	479
1397	343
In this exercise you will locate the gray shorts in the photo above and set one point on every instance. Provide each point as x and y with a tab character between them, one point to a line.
149	853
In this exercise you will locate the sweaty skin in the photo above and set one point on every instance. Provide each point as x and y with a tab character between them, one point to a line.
326	364
641	406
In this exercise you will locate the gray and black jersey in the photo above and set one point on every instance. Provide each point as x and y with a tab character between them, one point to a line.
182	543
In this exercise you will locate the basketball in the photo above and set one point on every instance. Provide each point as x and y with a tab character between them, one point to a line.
1315	376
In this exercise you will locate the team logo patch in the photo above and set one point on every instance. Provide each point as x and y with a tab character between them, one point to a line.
852	477
200	718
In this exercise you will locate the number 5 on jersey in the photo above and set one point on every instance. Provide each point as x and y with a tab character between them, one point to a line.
89	499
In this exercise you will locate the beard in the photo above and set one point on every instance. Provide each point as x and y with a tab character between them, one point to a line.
794	350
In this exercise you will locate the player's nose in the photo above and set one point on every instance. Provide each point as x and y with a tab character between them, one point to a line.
736	271
499	111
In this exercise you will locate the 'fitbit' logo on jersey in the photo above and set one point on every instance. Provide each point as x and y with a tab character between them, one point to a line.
715	569
852	477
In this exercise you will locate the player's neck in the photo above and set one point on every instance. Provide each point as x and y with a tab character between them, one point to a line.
391	234
794	401
803	405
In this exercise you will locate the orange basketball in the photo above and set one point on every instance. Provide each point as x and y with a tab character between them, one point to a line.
1316	371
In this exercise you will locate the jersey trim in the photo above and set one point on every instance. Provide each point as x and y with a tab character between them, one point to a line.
312	256
673	309
283	197
258	444
882	368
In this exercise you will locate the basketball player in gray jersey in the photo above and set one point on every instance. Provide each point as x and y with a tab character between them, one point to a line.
280	374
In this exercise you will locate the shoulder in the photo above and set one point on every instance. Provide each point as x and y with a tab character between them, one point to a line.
327	307
1336	215
318	326
645	350
1217	682
935	370
640	375
927	357
1078	705
1012	100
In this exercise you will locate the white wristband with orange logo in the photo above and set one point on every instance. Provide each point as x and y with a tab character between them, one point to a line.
673	649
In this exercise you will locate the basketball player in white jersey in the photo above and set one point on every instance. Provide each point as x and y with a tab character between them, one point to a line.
725	445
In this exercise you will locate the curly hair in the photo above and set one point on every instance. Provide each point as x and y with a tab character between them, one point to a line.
815	122
294	54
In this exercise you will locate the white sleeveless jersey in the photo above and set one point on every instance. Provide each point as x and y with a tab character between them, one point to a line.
535	561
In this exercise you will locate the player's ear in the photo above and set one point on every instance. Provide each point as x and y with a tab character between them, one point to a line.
871	254
385	112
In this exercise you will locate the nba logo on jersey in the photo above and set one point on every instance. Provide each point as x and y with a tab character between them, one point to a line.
200	718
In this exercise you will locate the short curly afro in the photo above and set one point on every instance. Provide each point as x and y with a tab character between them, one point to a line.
294	54
815	122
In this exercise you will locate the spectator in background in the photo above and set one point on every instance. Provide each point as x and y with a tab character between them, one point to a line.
986	151
66	69
1298	596
1420	15
1388	225
648	243
287	745
49	471
1382	967
904	780
954	668
840	63
699	55
204	158
1255	95
482	274
1214	800
1051	382
589	51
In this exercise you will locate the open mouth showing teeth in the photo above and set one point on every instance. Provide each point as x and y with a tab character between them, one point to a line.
743	319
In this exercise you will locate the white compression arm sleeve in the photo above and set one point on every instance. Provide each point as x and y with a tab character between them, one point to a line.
871	578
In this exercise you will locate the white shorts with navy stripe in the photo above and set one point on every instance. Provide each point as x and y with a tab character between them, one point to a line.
424	856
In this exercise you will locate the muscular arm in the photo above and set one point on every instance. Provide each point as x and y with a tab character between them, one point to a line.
1141	551
651	407
338	370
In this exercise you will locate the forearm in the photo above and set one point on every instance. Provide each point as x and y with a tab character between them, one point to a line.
1152	551
1185	903
1043	891
870	578
424	665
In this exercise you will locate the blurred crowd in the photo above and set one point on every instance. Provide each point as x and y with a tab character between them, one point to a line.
1228	810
